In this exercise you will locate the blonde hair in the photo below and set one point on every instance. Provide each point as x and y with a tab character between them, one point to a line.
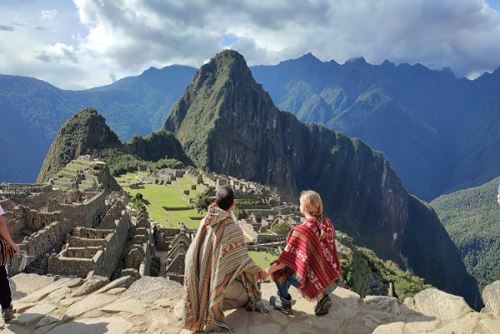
312	203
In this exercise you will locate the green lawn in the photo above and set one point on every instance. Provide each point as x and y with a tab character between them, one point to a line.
262	259
172	195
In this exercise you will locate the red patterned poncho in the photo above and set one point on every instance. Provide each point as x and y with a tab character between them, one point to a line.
311	255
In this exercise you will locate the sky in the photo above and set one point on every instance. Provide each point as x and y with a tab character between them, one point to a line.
87	43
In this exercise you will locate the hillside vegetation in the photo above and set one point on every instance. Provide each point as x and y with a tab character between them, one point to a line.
472	218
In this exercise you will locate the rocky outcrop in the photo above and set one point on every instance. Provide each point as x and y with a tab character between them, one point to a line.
159	145
491	298
83	133
154	305
228	124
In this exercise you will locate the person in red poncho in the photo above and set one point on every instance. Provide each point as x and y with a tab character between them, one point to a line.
309	261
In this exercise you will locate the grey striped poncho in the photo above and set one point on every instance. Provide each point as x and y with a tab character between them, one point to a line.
216	257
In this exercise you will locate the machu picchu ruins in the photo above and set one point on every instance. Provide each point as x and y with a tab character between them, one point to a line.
78	224
87	244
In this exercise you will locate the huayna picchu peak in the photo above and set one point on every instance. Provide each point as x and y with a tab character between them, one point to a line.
86	133
228	124
83	133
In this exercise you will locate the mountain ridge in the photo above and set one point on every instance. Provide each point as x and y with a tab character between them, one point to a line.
227	123
439	145
360	99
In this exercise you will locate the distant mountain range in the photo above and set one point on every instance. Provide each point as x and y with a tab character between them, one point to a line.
440	133
32	111
472	218
227	123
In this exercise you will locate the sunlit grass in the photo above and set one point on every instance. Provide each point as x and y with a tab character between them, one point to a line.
262	259
159	196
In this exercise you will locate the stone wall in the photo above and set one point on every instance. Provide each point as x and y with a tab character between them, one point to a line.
38	244
97	250
88	213
139	252
23	189
268	237
73	241
36	220
111	254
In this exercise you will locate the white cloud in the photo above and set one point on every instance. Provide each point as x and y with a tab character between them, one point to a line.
58	52
459	34
125	37
48	14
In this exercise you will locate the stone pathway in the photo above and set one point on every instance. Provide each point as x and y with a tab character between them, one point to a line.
154	305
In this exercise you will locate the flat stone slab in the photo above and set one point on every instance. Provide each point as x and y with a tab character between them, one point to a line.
149	289
23	284
116	291
422	326
15	329
383	303
442	305
465	325
33	315
345	297
45	291
115	325
491	326
48	320
91	285
392	328
87	304
127	305
124	281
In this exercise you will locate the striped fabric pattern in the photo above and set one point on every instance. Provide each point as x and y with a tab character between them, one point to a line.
6	253
217	256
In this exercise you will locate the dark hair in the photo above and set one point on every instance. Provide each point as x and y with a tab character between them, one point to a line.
224	197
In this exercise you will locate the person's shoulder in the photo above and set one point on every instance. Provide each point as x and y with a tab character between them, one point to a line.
328	220
230	223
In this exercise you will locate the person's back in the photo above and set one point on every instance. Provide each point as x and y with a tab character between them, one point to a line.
309	260
219	274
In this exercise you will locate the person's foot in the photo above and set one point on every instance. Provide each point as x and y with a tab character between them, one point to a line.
8	314
323	305
281	304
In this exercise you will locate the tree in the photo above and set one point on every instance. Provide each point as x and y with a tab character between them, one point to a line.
202	201
281	228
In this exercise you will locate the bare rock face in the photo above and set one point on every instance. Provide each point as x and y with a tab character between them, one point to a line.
152	288
384	303
491	298
439	304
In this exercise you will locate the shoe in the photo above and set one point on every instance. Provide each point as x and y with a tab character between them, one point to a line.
281	304
323	305
8	314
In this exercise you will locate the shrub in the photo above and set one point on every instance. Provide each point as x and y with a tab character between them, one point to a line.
281	228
